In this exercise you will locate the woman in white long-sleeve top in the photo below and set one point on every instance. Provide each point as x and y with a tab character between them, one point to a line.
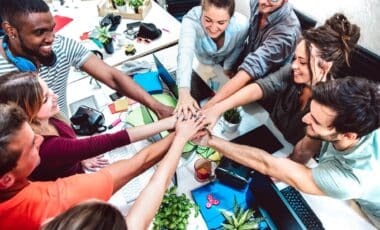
216	35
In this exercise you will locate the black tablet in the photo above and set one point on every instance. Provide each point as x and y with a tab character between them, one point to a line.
262	138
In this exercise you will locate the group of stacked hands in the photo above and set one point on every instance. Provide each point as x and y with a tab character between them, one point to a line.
341	133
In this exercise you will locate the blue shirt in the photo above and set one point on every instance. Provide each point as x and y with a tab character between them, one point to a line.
271	46
195	40
353	173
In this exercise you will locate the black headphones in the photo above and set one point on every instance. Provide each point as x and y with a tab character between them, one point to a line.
23	64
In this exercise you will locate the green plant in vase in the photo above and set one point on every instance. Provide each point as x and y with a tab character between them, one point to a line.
121	5
105	37
231	120
135	4
240	219
120	2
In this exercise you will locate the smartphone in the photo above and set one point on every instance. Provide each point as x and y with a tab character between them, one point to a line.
116	96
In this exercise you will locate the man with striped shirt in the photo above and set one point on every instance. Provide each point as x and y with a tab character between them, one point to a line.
29	25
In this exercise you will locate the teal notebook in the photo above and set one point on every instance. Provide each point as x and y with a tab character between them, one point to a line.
225	194
149	81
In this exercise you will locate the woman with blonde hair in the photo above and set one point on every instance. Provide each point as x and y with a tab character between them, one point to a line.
61	151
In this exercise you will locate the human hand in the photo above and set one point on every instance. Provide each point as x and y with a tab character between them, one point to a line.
94	163
186	103
171	121
163	111
187	128
202	138
212	115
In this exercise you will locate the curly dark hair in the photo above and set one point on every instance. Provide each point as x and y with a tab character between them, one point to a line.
356	102
335	40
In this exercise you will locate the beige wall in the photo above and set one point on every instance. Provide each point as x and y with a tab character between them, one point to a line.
364	13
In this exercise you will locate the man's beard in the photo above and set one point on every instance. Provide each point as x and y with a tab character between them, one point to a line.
44	60
329	138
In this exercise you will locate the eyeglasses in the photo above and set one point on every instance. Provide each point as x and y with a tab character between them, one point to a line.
143	40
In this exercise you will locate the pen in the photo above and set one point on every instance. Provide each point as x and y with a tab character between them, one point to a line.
166	30
113	124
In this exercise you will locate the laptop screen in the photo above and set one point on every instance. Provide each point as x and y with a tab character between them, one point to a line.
262	138
272	204
199	89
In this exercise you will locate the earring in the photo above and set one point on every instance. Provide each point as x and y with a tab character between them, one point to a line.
13	37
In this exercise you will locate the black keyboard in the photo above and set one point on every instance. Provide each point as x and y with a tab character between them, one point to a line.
301	208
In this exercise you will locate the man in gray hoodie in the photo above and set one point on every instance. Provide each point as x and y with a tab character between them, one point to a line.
274	29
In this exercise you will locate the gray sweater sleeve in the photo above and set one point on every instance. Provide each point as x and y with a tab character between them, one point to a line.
276	82
271	46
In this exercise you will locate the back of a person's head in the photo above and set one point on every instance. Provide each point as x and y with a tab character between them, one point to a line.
335	40
356	102
91	215
229	5
12	119
11	11
24	89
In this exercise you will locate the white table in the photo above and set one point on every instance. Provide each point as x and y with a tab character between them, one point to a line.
85	18
334	214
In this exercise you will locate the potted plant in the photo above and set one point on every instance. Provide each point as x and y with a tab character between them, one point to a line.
240	219
135	4
231	120
121	5
105	37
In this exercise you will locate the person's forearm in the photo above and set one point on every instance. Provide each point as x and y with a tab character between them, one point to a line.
233	85
130	88
248	94
143	210
142	132
124	170
284	169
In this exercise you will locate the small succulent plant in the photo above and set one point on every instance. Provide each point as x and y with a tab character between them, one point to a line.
120	2
233	116
240	219
135	4
103	34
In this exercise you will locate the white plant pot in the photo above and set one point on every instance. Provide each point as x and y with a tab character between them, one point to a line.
122	9
229	127
130	10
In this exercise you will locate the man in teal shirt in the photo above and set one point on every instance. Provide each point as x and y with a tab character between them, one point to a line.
345	116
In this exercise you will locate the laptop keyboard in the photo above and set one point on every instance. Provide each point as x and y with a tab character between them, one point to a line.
302	209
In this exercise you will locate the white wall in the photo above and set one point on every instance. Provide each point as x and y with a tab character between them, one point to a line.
364	13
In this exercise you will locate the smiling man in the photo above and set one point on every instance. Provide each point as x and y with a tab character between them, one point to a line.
345	116
31	45
273	32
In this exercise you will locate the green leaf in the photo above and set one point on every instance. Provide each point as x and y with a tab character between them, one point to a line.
228	226
236	206
249	225
234	221
243	218
227	217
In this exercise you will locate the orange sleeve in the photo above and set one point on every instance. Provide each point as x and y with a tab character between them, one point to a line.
81	187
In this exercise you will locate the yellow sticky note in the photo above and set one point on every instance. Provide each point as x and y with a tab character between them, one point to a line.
121	104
